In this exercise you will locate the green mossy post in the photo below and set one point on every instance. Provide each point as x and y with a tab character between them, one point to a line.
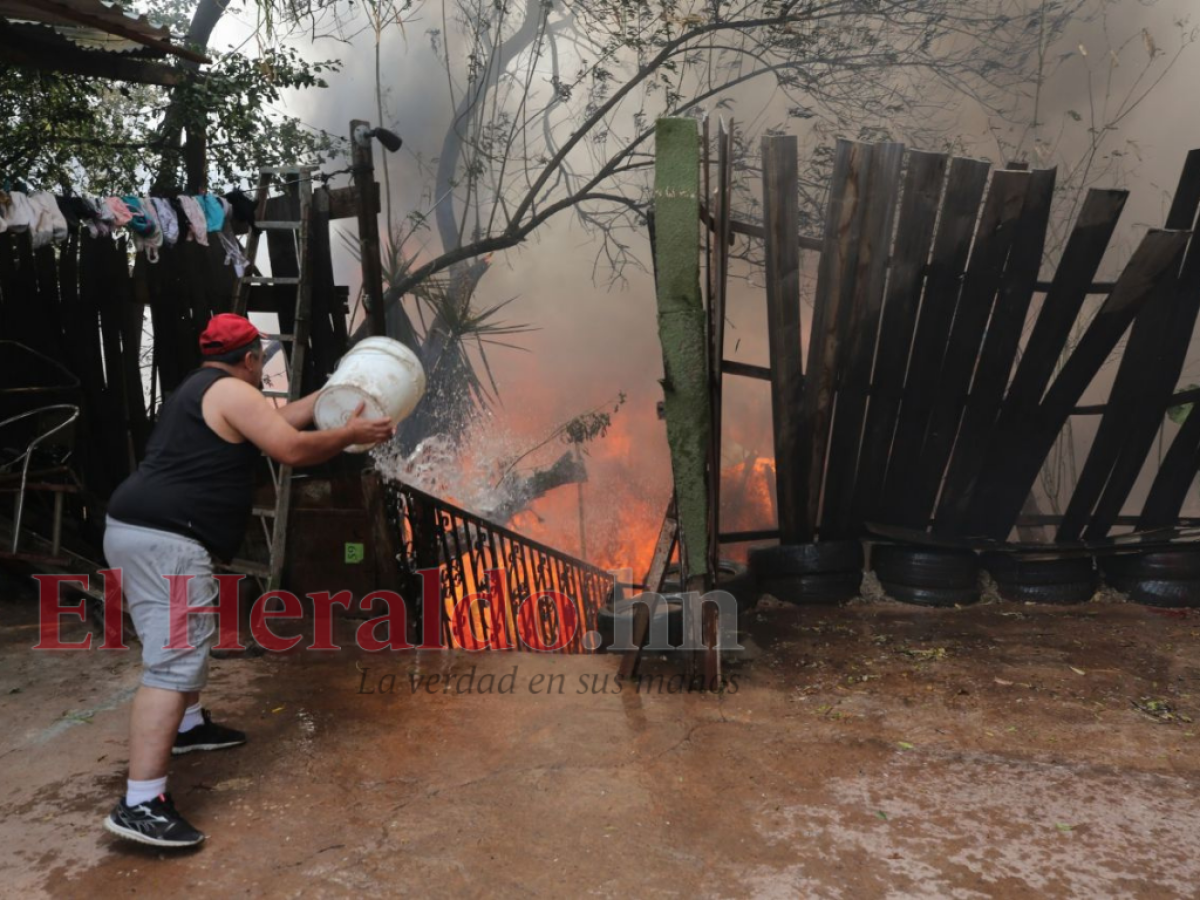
681	329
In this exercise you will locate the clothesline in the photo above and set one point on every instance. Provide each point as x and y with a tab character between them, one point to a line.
152	222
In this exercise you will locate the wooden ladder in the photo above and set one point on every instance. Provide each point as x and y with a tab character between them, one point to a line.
274	519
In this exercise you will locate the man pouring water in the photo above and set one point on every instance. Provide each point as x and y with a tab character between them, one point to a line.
186	505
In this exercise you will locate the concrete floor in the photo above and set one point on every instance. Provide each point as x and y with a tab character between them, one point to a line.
876	750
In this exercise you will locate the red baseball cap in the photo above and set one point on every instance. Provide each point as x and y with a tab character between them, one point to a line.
226	332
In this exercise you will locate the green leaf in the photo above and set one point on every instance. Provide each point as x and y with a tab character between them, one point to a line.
905	745
1178	414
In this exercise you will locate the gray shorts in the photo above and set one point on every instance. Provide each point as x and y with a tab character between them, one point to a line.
145	557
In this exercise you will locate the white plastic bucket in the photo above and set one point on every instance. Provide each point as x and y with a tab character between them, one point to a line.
379	372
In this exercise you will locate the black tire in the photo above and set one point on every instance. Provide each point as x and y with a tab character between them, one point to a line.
1017	569
931	596
814	589
734	577
925	568
1161	565
1070	592
727	569
806	559
670	608
1168	594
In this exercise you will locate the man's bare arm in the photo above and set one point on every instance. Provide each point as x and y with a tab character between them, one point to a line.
247	412
299	413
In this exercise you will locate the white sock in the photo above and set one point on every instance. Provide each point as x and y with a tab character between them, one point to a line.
191	718
140	791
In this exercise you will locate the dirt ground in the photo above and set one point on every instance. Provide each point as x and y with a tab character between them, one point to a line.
875	750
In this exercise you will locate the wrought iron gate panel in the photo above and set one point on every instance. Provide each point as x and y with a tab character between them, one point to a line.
547	600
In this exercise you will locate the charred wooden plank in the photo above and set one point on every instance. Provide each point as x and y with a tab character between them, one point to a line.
745	370
1150	366
918	211
1174	478
842	221
719	272
860	329
781	212
999	350
964	191
994	236
1081	257
1017	457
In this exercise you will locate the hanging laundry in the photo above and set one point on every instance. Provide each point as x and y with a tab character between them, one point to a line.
185	230
214	212
150	241
70	212
99	223
166	220
242	206
16	211
49	226
195	219
121	213
20	215
141	224
233	250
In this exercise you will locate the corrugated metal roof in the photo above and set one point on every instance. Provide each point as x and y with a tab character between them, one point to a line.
51	14
96	24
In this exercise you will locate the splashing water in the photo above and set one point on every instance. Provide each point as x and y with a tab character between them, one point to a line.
623	505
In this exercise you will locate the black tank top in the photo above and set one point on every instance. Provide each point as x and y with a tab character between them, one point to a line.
192	482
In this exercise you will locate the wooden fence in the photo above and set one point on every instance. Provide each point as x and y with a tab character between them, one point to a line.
923	404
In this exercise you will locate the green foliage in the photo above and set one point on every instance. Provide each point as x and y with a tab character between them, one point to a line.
62	130
100	136
234	102
1178	414
590	426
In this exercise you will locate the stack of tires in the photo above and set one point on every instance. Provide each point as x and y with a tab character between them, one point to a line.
1167	578
824	573
1041	578
927	577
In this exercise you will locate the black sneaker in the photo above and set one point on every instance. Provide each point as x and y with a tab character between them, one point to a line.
208	736
155	822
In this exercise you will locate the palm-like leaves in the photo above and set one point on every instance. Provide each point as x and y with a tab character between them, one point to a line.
450	323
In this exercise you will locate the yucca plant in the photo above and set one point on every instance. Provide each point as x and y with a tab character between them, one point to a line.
449	325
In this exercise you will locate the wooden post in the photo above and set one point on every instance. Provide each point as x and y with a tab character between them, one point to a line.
363	165
195	158
782	224
682	332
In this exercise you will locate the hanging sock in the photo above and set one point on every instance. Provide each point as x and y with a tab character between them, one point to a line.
197	223
140	224
153	239
214	212
96	217
167	220
119	210
49	226
233	250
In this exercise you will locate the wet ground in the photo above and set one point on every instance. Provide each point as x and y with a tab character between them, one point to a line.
876	750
